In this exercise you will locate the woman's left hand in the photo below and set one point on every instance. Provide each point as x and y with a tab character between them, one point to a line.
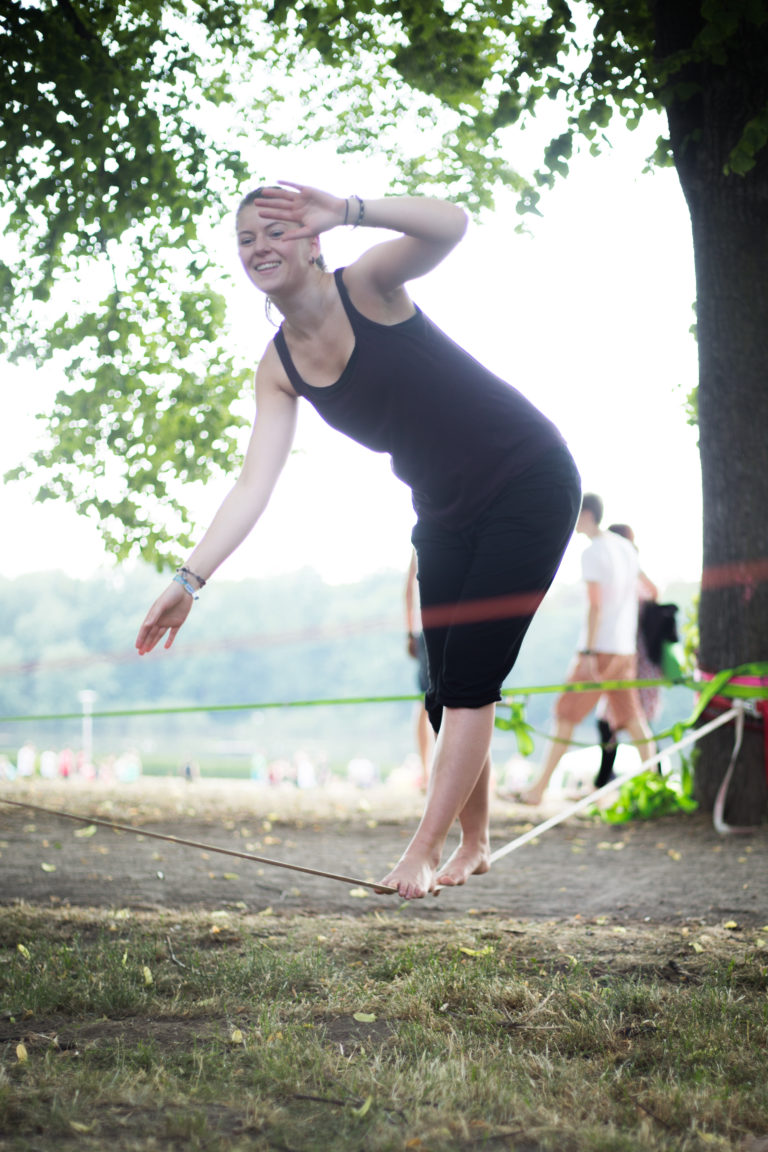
313	210
167	614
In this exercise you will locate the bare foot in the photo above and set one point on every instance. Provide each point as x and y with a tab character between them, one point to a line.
528	796
465	862
412	877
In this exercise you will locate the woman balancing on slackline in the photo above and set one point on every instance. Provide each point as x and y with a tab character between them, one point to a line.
495	490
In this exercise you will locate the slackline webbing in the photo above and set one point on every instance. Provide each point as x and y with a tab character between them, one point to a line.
722	683
725	684
531	834
182	709
613	785
384	888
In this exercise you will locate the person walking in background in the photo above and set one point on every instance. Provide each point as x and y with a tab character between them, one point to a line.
417	649
494	487
650	698
607	648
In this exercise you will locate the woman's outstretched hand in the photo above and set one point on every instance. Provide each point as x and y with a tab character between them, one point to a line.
313	210
167	614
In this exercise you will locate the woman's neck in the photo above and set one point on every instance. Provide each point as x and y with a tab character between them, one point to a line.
306	310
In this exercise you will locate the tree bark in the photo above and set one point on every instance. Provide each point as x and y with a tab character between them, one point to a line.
729	218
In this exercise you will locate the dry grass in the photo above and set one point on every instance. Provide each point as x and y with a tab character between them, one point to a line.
228	1031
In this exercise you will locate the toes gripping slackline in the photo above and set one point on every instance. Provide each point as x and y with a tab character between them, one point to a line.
733	693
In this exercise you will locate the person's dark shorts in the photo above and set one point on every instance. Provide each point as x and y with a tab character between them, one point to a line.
480	587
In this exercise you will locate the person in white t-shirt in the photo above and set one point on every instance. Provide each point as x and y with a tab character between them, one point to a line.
607	647
650	697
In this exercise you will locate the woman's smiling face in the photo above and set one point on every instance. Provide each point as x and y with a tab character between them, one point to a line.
265	254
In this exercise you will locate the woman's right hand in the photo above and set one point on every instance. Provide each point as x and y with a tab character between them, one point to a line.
167	614
310	209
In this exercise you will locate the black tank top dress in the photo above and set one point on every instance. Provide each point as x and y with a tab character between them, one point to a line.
470	447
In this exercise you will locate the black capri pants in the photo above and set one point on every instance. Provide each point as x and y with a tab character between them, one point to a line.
480	586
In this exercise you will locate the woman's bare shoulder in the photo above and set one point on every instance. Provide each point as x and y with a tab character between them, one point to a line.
271	375
389	306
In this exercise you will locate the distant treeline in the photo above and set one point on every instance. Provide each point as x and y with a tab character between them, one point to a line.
289	638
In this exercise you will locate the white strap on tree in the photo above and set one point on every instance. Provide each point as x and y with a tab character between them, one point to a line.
614	785
718	810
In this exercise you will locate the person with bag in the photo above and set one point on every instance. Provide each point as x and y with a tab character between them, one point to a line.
607	648
647	669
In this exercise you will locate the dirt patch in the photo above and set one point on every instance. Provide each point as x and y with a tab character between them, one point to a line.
63	1034
663	871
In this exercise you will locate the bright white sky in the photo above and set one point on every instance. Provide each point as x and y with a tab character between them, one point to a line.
589	317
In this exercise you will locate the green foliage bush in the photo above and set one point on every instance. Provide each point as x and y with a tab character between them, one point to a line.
652	794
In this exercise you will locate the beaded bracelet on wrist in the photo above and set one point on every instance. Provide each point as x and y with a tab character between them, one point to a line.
201	583
361	212
179	579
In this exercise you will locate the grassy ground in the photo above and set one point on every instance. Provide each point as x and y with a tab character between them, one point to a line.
224	1031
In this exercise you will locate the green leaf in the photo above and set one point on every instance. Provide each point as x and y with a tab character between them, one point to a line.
516	722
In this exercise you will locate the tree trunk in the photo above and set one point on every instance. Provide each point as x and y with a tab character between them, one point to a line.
729	217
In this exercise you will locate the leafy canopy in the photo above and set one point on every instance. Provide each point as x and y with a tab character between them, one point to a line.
109	182
111	174
495	64
479	69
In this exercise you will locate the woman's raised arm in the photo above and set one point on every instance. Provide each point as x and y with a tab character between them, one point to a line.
429	229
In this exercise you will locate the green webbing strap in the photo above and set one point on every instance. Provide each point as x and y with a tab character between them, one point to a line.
720	685
183	709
